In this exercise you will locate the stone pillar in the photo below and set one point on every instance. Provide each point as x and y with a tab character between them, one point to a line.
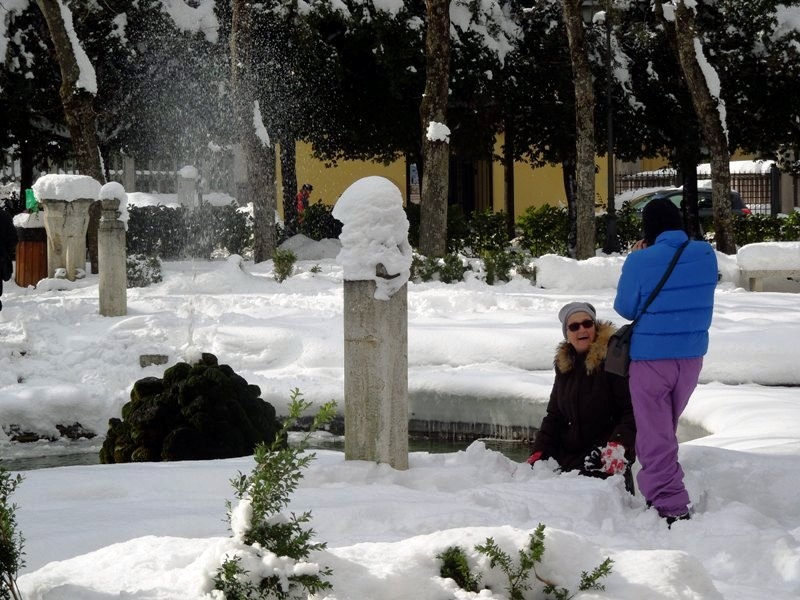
376	259
128	173
789	192
187	187
66	222
375	375
112	261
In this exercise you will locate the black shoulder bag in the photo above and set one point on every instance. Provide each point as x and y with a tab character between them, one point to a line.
618	356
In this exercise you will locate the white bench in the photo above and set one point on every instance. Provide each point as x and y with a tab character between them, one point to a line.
768	259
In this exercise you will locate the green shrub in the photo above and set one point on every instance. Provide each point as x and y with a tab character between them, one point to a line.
544	230
143	270
423	268
455	567
449	269
284	264
763	228
629	227
11	540
469	235
200	234
319	223
177	233
264	494
790	227
497	265
452	268
479	232
233	229
518	574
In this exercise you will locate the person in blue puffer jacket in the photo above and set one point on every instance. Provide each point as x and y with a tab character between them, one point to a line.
667	347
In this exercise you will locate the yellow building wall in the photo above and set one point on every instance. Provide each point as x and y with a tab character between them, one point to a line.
532	187
330	182
535	187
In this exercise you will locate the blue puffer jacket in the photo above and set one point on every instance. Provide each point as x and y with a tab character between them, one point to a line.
676	323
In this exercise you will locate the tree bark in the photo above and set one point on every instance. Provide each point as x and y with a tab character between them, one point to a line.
584	124
568	174
79	113
706	107
508	178
259	153
435	153
690	209
289	178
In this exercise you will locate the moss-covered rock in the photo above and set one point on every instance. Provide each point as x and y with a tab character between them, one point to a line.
196	412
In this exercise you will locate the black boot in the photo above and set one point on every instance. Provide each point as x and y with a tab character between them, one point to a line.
684	517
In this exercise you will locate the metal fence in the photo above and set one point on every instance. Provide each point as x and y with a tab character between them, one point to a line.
760	191
216	171
161	177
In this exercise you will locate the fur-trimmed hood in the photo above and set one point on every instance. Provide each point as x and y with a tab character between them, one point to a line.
565	354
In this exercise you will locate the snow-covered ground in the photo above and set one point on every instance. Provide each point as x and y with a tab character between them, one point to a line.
476	352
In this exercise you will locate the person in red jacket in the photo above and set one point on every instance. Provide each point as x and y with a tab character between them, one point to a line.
589	426
301	203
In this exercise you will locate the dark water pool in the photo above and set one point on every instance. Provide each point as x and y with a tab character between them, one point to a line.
78	454
24	457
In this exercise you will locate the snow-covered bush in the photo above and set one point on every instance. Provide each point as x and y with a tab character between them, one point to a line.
143	270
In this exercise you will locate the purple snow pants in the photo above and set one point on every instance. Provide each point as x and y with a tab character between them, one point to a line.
660	391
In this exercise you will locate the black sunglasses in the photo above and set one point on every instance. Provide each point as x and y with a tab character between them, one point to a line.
587	324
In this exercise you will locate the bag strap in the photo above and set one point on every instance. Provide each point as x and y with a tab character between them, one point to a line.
661	283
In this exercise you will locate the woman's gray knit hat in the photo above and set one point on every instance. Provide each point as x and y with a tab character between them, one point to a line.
570	309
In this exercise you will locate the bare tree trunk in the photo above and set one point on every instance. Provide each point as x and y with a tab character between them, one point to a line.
584	122
435	153
508	178
691	215
259	153
289	179
568	174
707	108
78	111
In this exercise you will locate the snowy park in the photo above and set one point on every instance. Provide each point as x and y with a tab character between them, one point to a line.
475	352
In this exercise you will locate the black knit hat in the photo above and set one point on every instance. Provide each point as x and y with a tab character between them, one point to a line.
658	216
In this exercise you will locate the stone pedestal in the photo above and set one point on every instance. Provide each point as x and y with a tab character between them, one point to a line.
375	375
112	259
66	223
128	173
187	187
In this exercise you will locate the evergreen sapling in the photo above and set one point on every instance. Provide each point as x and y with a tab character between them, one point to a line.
11	540
272	561
518	575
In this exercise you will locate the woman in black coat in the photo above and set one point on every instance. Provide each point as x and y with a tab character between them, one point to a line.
589	426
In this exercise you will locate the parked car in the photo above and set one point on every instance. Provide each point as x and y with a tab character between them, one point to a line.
704	205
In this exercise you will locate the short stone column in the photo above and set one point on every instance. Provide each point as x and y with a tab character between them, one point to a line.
128	173
376	259
187	186
111	254
375	375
